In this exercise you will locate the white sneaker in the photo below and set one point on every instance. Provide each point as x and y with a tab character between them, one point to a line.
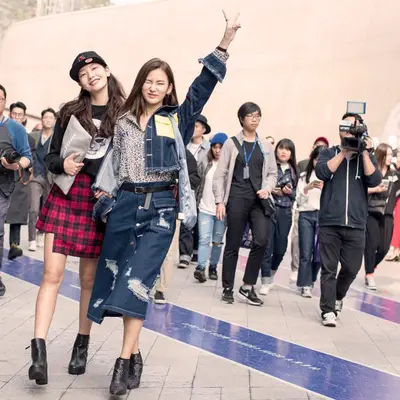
293	277
370	282
329	319
306	292
265	289
40	239
267	283
338	307
32	246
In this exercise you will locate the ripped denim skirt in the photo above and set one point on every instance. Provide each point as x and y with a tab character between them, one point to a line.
138	234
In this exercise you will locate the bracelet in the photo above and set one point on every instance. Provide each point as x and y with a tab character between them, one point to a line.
222	49
20	165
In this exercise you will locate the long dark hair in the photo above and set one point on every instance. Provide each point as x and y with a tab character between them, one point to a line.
135	103
288	145
310	166
81	108
210	154
381	154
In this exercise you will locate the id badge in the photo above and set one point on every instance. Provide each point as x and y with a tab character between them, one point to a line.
246	172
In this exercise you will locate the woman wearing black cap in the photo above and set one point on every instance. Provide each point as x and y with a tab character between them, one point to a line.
67	219
149	150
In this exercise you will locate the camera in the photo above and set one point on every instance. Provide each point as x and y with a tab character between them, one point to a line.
284	181
11	156
358	129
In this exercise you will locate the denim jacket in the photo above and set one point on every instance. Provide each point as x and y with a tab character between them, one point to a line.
286	200
160	144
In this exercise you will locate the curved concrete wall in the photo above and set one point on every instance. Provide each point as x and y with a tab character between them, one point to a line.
300	60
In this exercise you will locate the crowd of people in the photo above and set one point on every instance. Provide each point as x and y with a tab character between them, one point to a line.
133	186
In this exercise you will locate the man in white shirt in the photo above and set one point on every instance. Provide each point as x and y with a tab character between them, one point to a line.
199	147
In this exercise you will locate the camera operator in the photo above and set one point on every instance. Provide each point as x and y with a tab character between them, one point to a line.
347	174
15	154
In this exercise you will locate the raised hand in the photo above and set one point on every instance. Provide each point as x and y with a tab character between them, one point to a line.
232	26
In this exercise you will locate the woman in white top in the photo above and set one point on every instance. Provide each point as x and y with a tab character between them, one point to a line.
308	201
211	230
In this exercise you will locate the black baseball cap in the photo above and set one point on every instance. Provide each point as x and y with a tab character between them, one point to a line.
82	59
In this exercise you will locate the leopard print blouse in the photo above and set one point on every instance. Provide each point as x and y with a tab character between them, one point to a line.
130	155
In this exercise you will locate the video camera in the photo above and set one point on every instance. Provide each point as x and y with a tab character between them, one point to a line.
358	129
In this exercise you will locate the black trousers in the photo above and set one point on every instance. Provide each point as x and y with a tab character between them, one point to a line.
278	241
377	240
239	212
344	245
15	234
188	242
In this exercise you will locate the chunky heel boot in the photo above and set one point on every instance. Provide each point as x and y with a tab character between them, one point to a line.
119	382
38	369
135	371
77	365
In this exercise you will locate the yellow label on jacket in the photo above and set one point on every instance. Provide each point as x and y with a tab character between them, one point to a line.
164	126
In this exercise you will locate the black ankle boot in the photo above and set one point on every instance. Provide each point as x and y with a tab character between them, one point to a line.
38	369
77	365
135	371
119	382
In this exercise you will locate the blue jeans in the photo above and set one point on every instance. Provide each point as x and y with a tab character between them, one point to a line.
308	268
210	231
135	244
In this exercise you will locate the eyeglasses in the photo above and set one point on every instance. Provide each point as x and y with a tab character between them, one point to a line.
253	116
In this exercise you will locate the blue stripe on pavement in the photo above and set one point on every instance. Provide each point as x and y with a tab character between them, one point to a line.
312	370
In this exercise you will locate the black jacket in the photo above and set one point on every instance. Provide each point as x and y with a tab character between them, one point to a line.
344	198
192	169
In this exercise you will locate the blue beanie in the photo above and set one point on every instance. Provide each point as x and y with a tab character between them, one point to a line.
219	138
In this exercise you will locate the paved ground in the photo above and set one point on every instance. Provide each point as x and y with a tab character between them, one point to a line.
176	371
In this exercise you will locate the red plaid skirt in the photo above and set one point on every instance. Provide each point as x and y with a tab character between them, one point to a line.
69	217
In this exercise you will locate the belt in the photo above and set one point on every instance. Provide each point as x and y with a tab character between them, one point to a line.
147	189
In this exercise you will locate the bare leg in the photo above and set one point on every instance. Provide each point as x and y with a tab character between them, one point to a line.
136	348
87	273
132	328
54	267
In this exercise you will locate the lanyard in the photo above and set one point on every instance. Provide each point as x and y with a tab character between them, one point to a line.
248	158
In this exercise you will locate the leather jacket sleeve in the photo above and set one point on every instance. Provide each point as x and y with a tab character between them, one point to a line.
192	168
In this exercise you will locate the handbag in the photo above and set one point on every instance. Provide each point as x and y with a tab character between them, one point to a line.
105	203
76	140
267	204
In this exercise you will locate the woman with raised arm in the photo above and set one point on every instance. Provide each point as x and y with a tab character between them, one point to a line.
66	219
149	150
